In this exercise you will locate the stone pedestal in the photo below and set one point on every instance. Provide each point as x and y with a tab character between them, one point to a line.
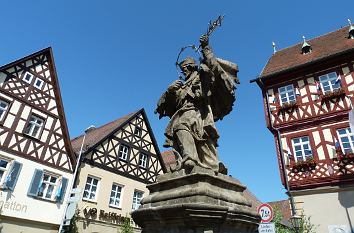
198	202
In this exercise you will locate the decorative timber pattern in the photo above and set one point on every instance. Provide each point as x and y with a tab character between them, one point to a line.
310	96
30	88
310	103
335	170
133	133
318	117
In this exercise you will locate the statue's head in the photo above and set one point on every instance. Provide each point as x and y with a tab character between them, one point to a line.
187	66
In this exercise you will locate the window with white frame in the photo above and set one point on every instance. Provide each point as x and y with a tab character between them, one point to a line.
138	195
329	82
38	83
4	106
34	126
123	152
48	186
287	94
27	77
143	160
116	193
4	167
346	139
302	148
91	189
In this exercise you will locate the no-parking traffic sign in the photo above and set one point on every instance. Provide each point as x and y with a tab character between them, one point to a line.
266	213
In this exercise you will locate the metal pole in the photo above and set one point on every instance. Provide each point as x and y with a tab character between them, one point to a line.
78	162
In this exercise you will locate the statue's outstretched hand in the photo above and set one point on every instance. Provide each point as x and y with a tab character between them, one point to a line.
204	40
175	85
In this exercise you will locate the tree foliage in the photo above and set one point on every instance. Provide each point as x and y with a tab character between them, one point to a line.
126	227
73	223
305	225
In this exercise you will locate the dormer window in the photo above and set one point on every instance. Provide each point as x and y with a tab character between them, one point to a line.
330	82
38	83
287	94
306	47
351	30
27	77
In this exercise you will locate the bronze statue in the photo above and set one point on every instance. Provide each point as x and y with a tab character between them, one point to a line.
205	96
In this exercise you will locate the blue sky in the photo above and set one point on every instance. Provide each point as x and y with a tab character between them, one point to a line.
115	57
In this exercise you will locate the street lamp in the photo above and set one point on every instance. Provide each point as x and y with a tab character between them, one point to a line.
78	162
296	222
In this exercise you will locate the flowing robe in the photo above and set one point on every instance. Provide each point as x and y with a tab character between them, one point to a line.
207	96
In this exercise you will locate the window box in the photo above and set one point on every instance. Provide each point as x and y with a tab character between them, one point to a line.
333	94
345	156
288	106
309	163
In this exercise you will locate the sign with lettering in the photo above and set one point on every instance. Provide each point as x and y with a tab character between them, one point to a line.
266	213
266	228
12	205
93	213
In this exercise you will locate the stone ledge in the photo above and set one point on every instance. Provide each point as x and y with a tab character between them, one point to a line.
196	202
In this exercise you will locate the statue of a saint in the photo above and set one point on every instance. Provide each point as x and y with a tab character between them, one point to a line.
205	96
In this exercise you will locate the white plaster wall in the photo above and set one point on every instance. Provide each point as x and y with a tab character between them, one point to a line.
330	208
37	209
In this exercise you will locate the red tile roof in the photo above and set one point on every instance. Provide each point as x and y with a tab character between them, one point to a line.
284	207
95	135
169	159
331	44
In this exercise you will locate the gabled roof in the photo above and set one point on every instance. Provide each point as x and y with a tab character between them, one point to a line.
284	208
96	135
59	103
325	46
169	159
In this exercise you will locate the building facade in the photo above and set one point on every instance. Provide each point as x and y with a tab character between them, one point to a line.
36	159
308	91
119	160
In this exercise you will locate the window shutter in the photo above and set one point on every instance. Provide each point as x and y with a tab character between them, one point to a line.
36	180
64	184
12	177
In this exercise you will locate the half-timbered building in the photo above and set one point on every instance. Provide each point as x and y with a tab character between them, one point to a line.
36	159
119	160
308	93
